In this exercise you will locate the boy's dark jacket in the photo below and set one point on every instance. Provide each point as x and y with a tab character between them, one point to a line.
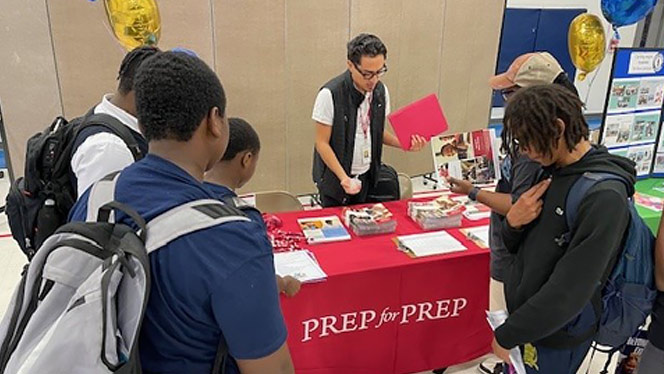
549	288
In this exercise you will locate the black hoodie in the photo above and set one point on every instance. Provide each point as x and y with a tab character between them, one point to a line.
549	288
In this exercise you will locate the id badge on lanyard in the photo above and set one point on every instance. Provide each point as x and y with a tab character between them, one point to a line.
366	153
366	147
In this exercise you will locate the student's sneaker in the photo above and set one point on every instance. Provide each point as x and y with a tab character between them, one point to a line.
490	366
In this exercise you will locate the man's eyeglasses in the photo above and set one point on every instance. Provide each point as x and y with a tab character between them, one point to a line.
370	74
508	92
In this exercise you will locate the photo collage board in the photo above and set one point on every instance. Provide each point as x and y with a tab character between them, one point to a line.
633	112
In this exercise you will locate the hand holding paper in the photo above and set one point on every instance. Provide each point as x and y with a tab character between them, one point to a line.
417	143
497	318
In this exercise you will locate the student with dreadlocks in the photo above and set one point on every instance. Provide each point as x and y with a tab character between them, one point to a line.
517	175
552	284
98	150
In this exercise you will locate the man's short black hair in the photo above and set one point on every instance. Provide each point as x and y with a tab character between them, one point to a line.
530	119
130	64
365	45
174	93
242	137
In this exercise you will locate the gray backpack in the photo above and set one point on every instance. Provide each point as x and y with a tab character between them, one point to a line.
79	305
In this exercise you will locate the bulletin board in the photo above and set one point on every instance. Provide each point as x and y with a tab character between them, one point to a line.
632	118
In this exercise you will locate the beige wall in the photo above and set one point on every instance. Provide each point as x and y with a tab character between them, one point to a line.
272	56
28	82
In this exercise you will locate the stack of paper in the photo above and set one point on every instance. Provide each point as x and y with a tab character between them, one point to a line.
301	265
478	235
428	244
477	211
371	220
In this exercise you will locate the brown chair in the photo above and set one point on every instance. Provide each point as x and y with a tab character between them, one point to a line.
277	201
405	186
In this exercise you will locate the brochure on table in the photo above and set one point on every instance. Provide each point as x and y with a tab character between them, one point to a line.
633	110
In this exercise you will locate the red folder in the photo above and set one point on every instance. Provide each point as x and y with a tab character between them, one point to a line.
423	117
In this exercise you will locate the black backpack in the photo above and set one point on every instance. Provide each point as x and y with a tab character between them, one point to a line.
386	187
39	202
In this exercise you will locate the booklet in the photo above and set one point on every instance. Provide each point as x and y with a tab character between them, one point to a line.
476	211
472	156
423	117
301	265
323	229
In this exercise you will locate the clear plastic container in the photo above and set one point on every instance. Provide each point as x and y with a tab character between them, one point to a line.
370	220
431	216
435	223
361	228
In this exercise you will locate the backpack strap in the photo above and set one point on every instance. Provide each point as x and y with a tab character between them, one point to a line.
117	128
576	195
187	218
101	193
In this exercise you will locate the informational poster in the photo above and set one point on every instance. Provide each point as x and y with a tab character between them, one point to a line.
633	112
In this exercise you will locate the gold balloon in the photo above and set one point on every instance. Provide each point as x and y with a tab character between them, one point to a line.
134	22
587	43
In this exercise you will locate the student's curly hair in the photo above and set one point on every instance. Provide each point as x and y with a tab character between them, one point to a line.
530	119
130	64
174	93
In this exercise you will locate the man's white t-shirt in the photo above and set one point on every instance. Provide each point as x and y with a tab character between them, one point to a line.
324	113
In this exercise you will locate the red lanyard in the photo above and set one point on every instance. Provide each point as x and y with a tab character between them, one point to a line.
365	120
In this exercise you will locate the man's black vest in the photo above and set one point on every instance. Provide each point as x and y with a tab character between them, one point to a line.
346	100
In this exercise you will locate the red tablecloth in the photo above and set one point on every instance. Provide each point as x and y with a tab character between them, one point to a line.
382	312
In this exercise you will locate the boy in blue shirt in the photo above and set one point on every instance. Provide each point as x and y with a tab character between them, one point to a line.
214	285
234	170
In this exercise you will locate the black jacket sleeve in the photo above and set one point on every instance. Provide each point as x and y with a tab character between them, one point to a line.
595	242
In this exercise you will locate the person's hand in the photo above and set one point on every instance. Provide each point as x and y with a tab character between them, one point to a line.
417	143
502	353
351	187
291	286
529	206
459	186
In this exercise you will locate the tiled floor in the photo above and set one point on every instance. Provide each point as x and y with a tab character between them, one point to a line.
12	260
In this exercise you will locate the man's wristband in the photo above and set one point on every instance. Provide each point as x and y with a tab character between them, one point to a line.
472	195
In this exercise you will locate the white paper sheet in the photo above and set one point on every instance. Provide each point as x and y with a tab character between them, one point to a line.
497	318
432	243
480	233
300	265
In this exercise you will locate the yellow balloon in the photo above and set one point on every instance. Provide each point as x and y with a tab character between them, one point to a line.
587	43
134	22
